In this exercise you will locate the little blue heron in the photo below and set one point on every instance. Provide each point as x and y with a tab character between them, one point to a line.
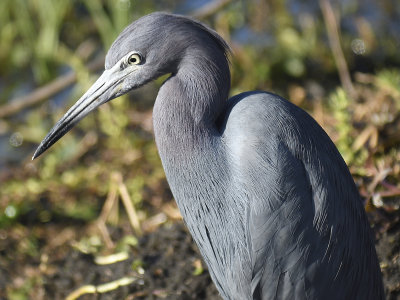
264	192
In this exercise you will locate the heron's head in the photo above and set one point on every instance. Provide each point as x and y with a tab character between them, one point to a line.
152	46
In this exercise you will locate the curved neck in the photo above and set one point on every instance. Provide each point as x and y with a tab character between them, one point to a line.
190	101
205	81
193	156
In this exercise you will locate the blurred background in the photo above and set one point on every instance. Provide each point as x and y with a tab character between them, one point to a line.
95	210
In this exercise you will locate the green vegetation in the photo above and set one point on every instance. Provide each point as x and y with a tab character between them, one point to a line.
42	40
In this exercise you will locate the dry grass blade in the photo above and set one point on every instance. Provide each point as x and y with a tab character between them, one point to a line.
130	209
334	40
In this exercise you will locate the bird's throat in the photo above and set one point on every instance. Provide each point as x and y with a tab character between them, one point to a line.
185	112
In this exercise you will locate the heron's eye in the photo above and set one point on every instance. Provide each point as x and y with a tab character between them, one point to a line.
134	59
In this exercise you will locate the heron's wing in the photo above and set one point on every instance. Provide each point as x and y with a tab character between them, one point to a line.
301	199
281	230
280	203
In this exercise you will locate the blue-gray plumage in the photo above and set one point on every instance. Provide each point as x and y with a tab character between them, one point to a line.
263	190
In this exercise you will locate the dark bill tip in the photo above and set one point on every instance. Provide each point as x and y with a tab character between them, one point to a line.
38	151
100	92
56	133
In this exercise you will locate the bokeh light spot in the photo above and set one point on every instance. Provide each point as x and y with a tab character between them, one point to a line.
358	46
16	139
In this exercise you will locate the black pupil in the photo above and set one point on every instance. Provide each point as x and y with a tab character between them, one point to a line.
133	59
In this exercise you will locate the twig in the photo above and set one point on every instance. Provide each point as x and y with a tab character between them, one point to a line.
390	193
40	94
105	234
209	9
379	177
126	200
130	210
334	41
111	201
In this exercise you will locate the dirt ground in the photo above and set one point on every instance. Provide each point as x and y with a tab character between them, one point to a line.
167	256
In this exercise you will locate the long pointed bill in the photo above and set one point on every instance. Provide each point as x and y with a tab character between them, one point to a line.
106	88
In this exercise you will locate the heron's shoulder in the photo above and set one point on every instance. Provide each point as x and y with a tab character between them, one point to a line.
256	99
259	104
257	111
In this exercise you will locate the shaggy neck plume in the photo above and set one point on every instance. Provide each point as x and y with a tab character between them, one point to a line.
190	101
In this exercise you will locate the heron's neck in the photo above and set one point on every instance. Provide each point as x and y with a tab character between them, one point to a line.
184	118
189	103
195	163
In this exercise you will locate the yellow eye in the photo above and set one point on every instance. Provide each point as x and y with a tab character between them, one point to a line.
134	59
